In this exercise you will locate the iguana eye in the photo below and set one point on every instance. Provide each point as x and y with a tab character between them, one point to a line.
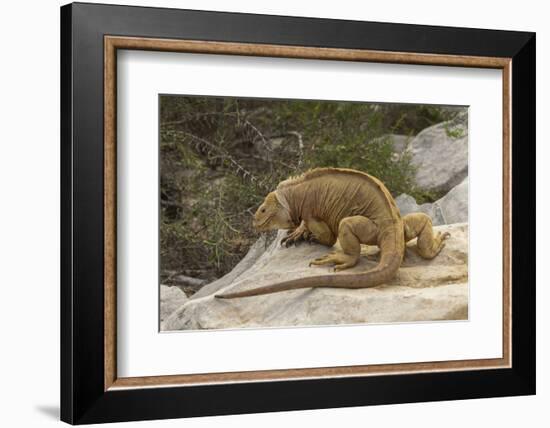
263	210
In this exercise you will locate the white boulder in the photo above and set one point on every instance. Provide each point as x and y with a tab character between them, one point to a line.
423	290
440	154
451	208
171	298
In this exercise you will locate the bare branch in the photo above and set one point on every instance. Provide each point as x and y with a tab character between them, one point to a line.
300	147
221	154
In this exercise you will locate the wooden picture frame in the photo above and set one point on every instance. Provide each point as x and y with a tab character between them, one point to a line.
91	390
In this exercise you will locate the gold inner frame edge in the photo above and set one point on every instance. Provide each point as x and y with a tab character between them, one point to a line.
113	43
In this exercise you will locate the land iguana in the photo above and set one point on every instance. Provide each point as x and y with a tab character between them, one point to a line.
325	204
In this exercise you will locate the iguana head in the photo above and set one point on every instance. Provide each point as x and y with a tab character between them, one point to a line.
272	215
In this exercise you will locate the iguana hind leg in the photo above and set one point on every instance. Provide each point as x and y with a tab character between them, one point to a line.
419	225
352	232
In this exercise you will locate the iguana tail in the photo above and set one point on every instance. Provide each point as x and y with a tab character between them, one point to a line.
382	273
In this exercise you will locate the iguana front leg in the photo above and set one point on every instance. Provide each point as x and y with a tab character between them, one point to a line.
296	235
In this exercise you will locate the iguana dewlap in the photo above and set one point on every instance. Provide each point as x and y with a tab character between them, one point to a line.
326	204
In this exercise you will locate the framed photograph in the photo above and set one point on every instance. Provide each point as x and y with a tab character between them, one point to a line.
266	213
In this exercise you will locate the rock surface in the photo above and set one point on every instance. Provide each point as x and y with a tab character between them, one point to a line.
407	204
423	290
440	154
171	298
259	248
454	205
451	208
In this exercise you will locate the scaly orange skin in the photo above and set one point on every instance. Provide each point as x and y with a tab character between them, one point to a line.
326	204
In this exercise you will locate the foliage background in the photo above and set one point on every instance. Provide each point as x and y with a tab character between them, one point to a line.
221	156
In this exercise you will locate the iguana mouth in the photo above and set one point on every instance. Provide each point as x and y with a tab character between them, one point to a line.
263	223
